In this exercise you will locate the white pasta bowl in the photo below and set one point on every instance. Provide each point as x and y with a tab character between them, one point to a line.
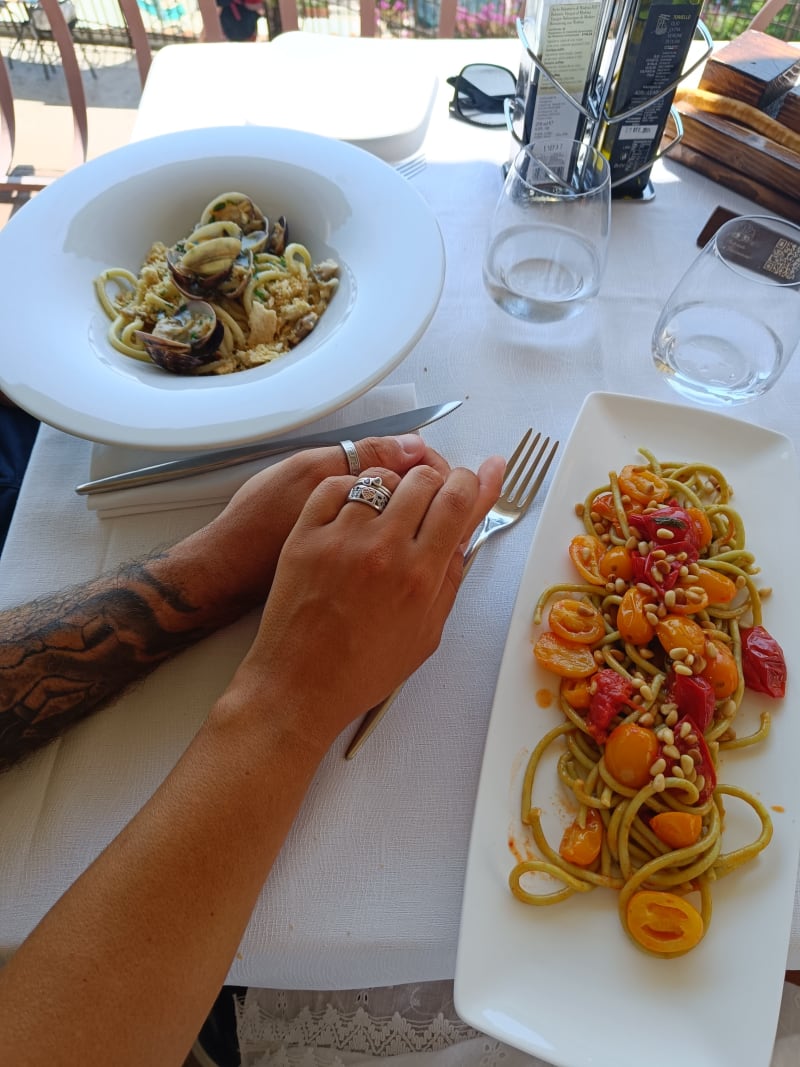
341	202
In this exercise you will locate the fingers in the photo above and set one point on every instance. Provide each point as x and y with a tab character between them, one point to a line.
461	504
490	483
443	509
398	454
328	500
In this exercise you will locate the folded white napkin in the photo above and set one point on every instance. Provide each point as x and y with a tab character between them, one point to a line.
217	487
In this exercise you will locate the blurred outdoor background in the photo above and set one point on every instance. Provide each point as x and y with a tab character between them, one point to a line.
112	82
100	22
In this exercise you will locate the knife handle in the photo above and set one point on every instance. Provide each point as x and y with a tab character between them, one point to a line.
183	468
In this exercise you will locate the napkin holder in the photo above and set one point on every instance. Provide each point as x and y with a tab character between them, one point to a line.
594	112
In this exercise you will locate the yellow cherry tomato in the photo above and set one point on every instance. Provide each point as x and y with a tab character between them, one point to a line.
616	563
698	602
718	587
632	621
678	829
586	553
581	844
676	631
664	922
629	753
642	485
576	692
576	620
701	526
721	670
562	657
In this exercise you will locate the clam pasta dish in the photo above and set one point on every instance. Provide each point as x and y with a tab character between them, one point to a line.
232	295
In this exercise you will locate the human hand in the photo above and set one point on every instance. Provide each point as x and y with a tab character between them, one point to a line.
244	542
360	598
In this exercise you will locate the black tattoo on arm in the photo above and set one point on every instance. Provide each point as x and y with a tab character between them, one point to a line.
67	655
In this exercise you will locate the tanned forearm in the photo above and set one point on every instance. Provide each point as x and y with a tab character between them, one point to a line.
126	965
65	656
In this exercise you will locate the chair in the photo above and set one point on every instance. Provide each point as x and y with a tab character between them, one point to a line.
764	17
14	179
140	42
35	33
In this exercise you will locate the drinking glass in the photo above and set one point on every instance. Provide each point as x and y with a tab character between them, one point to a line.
549	233
731	324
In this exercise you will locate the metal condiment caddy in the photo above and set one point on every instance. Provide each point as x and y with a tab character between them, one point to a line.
595	119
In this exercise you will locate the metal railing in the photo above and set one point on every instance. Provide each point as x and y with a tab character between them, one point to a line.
100	22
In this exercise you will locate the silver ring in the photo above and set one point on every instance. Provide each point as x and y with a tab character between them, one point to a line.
353	462
370	491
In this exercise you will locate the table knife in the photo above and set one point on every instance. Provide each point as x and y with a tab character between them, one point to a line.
201	462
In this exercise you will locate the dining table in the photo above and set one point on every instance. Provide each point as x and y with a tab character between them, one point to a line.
367	890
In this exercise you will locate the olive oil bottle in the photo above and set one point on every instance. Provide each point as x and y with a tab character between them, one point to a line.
566	36
659	35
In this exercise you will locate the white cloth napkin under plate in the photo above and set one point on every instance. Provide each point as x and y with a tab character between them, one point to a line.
217	487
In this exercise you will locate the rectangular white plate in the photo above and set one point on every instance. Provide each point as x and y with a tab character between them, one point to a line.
563	982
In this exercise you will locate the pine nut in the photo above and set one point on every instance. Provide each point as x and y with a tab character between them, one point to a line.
681	668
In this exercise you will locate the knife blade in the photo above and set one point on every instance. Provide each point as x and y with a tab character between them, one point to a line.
202	462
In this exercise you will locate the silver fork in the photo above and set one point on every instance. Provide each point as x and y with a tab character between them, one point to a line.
524	474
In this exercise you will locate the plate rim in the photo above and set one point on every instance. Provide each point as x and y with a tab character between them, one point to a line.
287	407
478	858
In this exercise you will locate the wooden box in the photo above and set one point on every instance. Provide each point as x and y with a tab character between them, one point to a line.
754	150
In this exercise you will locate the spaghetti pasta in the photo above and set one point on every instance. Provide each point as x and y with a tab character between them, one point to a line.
653	647
232	295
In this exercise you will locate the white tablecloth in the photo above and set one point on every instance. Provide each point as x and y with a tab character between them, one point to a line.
367	890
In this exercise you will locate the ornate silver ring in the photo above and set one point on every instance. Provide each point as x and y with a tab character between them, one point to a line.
370	491
353	462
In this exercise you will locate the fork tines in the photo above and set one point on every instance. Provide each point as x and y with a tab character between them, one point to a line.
512	492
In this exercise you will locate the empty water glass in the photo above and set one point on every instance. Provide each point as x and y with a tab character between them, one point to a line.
549	233
731	324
